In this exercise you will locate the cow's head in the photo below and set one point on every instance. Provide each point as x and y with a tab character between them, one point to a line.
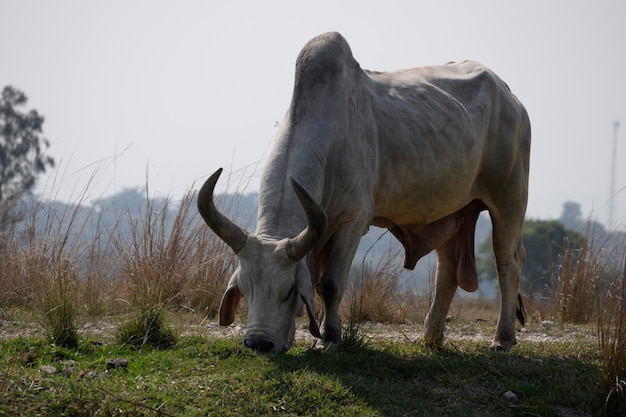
271	273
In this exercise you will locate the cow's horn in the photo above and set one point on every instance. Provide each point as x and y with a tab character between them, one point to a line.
300	245
229	232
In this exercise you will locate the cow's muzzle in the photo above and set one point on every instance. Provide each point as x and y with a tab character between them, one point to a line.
259	344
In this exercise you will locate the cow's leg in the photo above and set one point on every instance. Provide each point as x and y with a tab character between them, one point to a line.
445	288
507	218
507	207
510	256
333	281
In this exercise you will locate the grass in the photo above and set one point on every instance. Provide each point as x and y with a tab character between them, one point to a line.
591	289
147	326
580	275
216	376
170	263
375	294
612	343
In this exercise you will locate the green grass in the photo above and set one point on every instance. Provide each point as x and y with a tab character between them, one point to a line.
202	376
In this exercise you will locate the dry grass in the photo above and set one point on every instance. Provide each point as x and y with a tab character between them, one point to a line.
166	258
169	265
375	293
590	287
612	343
158	257
580	275
43	257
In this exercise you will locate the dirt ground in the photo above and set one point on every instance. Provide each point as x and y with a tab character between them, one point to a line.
476	329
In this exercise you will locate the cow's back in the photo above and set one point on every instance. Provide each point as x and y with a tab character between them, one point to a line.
437	127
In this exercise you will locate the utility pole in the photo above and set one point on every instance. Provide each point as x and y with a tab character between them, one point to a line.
613	168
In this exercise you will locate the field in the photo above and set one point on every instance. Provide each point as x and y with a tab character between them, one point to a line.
552	371
124	325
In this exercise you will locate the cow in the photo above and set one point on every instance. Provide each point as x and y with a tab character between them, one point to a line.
419	151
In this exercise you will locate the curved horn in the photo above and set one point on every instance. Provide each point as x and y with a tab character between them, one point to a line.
229	232
300	245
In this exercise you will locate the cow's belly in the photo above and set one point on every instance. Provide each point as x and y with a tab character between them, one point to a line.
422	204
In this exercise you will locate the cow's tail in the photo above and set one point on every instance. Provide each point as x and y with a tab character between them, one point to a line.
521	311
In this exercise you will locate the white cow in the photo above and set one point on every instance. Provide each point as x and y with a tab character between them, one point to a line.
419	151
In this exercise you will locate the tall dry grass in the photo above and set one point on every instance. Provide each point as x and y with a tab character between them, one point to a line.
375	294
611	322
160	258
169	264
41	262
591	288
579	280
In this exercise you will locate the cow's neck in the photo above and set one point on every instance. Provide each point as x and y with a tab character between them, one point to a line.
280	212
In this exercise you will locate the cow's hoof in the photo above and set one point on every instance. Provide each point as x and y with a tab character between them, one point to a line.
433	342
497	346
326	346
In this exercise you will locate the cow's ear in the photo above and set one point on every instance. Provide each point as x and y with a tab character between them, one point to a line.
229	304
305	288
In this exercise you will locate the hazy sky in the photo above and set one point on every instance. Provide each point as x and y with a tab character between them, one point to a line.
171	91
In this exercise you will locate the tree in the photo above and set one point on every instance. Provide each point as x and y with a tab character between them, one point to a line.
545	242
22	152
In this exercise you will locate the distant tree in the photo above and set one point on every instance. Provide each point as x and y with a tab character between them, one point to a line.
545	242
22	148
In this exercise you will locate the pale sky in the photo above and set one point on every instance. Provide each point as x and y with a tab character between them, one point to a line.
172	90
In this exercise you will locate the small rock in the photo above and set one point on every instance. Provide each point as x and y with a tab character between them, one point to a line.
547	324
510	396
115	363
48	369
